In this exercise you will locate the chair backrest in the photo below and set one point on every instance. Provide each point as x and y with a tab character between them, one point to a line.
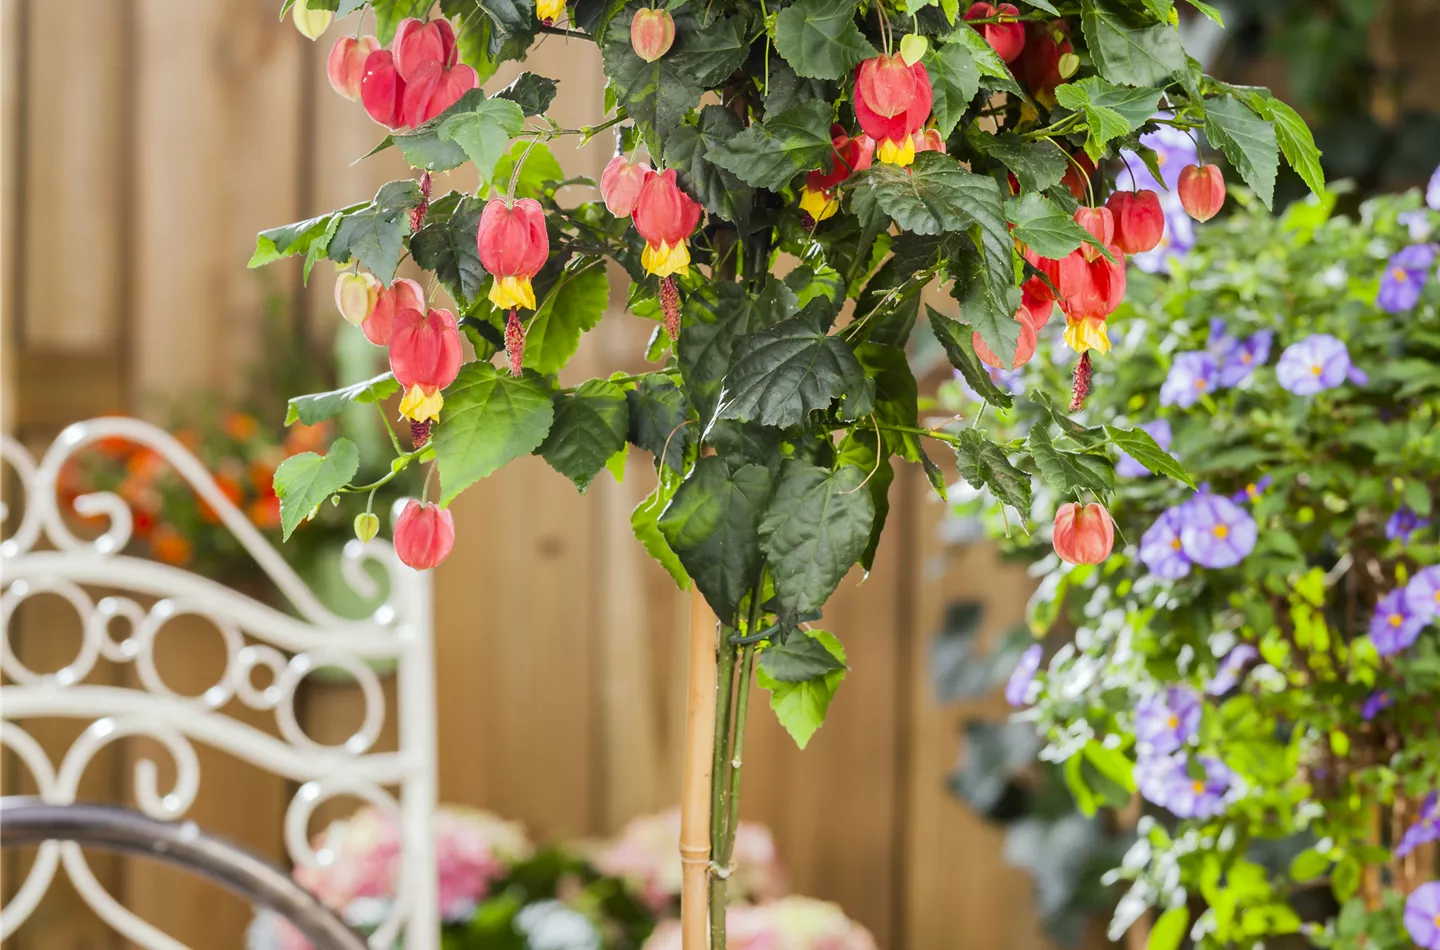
255	635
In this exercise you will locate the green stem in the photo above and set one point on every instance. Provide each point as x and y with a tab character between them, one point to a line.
631	377
720	787
913	430
737	757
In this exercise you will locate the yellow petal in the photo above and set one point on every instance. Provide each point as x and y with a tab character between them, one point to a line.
665	260
512	293
1086	334
896	153
818	204
419	405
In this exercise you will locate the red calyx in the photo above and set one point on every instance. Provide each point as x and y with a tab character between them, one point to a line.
1139	220
1007	39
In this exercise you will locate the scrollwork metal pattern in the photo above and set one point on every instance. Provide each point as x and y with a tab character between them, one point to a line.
119	629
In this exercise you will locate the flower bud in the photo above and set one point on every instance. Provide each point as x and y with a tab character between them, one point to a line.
929	140
366	526
417	43
513	246
346	65
1007	39
1202	191
665	217
403	294
425	357
1083	535
620	184
356	296
1101	225
652	33
1139	220
310	23
424	535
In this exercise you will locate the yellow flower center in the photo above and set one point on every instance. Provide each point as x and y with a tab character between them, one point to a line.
1437	597
1251	490
1175	543
1400	275
1086	334
1173	722
1198	787
422	404
1435	920
1221	531
1396	620
1316	369
1246	358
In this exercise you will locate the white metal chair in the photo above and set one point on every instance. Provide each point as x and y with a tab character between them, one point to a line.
256	635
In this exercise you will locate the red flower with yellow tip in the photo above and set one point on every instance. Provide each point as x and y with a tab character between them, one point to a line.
817	196
892	103
513	246
665	217
425	357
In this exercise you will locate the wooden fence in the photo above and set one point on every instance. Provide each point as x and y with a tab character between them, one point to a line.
145	142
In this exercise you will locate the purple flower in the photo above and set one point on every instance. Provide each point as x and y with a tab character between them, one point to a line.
1159	430
1215	532
1252	491
1403	523
1422	594
1432	193
1404	278
1425	829
1393	627
1160	547
1191	376
1190	797
1018	688
1422	915
1241	359
1227	677
1010	380
1155	775
1318	362
1374	703
1168	720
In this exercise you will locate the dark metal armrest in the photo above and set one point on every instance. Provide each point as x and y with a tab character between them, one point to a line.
30	821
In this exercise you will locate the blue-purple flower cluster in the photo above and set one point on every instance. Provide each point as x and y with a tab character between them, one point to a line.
1209	530
1403	613
1166	723
1422	915
1226	361
1404	278
1316	363
1017	690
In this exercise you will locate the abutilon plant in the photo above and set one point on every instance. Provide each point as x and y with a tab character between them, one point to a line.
793	204
1202	191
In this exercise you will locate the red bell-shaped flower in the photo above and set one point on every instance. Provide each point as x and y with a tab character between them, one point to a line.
417	43
817	199
665	217
1024	347
652	33
1202	191
1007	39
1101	225
1139	220
425	357
432	88
1092	296
513	246
382	90
424	535
402	294
1040	65
620	184
346	66
892	103
1083	535
1037	302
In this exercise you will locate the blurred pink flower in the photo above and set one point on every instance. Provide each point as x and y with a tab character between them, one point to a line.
472	849
646	853
747	927
361	855
791	923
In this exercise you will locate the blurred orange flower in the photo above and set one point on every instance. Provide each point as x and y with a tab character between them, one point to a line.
264	512
230	488
240	426
170	546
303	438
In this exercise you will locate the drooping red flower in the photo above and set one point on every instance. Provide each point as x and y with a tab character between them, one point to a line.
432	88
1037	302
652	33
1101	225
817	198
346	66
665	216
1083	535
1202	191
928	140
402	294
356	296
1139	220
620	184
382	91
892	103
417	43
1039	68
1007	39
513	245
424	535
425	357
1024	347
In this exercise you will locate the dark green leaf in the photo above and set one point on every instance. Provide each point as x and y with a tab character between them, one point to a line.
448	248
780	375
489	419
1143	449
657	419
982	462
483	129
785	90
1069	472
955	337
532	93
1048	230
954	80
1038	166
817	526
303	481
1295	141
687	150
589	427
862	450
770	154
988	300
936	195
574	305
1125	51
819	38
801	707
986	60
1247	140
934	475
317	407
389	13
295	238
645	523
712	525
896	395
798	659
717	316
1087	437
1110	110
375	234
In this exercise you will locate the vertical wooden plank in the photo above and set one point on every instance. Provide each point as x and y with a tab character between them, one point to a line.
13	30
957	880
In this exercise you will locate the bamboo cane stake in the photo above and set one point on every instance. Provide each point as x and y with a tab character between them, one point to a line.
695	784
